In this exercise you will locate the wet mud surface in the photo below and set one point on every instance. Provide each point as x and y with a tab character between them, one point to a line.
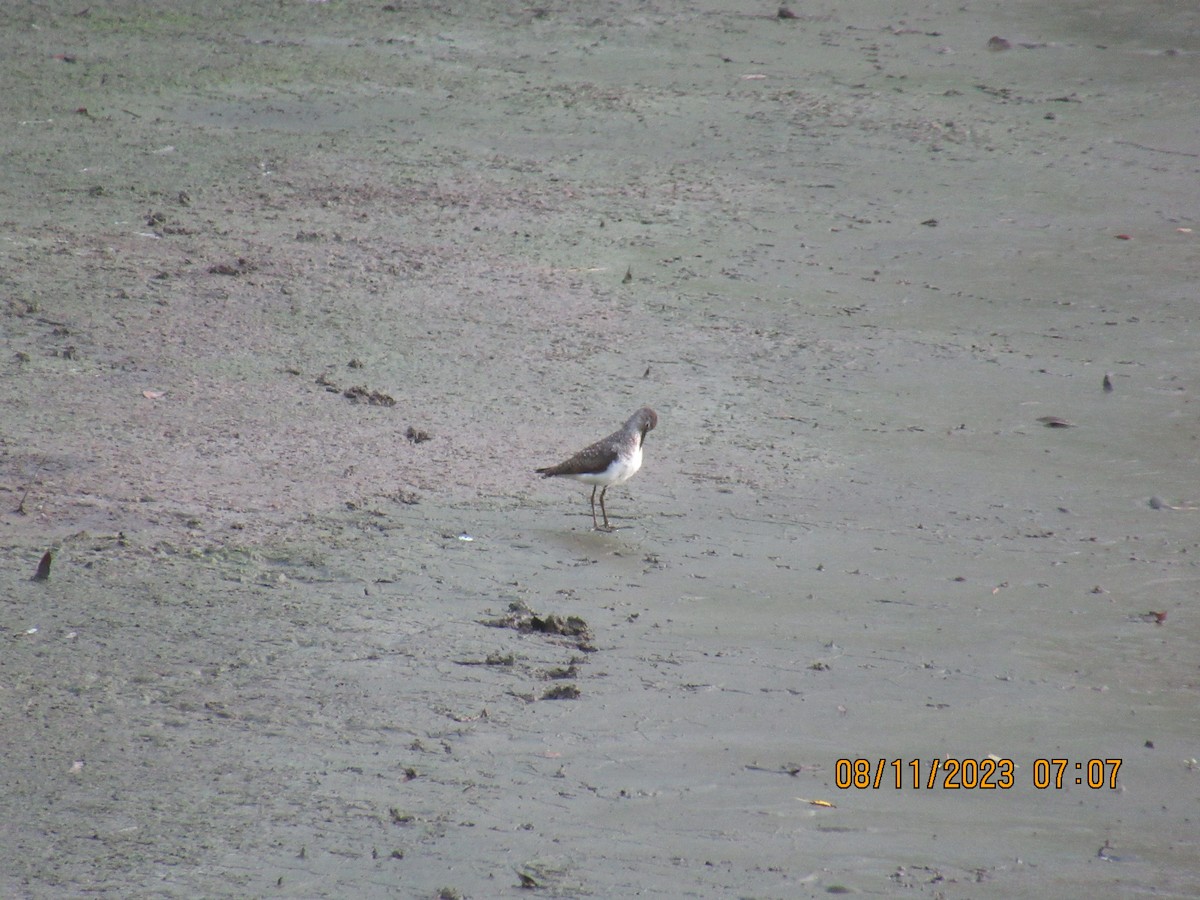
297	296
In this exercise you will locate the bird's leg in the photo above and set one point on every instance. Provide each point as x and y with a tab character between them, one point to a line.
594	523
603	510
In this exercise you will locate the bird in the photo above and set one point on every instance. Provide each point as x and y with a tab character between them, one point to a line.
612	460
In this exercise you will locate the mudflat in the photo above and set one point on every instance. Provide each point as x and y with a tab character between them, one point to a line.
298	295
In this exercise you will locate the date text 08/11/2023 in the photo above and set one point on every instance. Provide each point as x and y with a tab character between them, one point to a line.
989	773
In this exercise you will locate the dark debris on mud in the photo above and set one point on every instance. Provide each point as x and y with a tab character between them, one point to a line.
520	617
569	631
356	394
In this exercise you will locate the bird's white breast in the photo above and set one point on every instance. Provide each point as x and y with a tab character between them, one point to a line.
625	466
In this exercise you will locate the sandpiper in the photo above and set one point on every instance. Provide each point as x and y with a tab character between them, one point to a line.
610	461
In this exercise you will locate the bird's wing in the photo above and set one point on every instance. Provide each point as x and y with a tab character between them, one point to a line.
591	459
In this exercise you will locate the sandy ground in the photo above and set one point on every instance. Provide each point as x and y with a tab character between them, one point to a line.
854	258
